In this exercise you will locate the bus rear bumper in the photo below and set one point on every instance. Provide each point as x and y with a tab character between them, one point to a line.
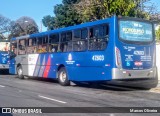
133	74
135	78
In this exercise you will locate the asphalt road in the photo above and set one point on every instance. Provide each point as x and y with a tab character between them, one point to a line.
15	92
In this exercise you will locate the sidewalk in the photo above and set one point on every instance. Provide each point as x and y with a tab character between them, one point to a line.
156	89
158	84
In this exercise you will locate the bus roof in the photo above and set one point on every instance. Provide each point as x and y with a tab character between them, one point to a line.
80	26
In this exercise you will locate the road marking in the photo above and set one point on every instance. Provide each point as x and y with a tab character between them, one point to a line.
51	99
2	86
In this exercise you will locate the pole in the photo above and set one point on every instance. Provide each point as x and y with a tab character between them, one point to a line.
41	26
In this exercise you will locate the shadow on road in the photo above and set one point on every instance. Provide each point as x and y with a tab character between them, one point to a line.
4	72
47	80
105	86
91	85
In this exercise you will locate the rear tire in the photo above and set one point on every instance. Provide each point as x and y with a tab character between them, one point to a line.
20	72
63	77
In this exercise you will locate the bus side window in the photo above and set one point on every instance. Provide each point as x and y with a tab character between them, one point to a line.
77	35
84	34
22	47
34	44
53	43
14	47
44	44
45	40
39	41
76	38
106	32
34	41
91	33
80	40
98	37
68	43
84	37
31	46
65	39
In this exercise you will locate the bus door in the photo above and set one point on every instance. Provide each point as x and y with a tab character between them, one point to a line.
13	53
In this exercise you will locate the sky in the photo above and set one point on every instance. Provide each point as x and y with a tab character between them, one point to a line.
36	9
156	3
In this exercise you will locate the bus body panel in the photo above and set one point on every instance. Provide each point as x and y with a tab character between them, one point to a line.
46	65
91	66
32	60
12	66
4	60
136	57
23	61
4	54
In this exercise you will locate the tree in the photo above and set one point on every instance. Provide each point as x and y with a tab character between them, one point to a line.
4	26
72	12
158	34
65	15
27	25
100	9
49	22
15	30
23	26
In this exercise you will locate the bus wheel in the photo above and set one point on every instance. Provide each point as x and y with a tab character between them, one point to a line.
20	72
63	77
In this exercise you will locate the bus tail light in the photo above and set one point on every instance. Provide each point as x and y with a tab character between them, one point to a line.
118	58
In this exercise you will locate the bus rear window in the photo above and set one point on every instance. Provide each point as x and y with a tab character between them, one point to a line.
134	31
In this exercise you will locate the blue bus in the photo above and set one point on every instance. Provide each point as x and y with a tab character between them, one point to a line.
112	49
4	55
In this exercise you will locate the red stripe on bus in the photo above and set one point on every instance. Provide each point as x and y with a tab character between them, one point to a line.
47	68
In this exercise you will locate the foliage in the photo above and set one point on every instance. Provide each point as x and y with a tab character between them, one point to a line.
49	22
99	9
27	25
24	25
69	2
72	12
15	30
65	15
4	26
158	34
